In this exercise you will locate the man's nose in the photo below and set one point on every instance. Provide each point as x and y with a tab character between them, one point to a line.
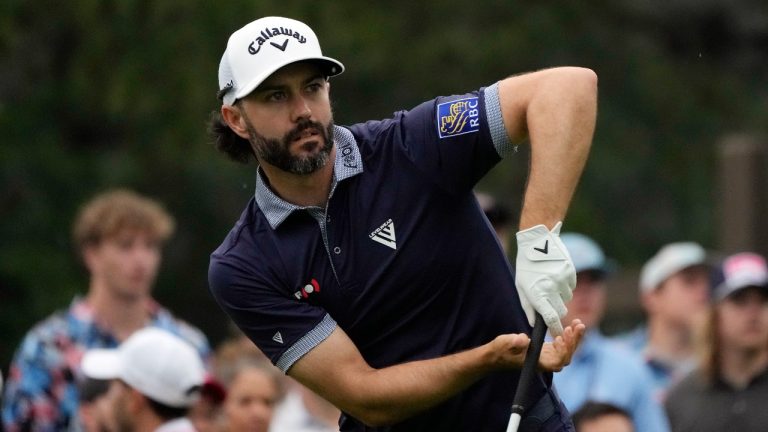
301	109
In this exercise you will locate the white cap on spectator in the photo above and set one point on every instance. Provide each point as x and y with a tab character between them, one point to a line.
671	259
740	271
156	363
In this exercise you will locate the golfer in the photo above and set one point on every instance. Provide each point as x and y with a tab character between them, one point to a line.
363	266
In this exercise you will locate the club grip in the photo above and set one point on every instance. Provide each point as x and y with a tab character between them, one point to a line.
529	365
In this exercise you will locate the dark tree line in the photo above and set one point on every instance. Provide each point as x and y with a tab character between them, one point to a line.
97	94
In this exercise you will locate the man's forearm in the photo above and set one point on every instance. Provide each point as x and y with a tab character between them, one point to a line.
398	392
558	112
388	395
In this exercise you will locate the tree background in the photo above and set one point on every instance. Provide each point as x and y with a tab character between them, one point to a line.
97	94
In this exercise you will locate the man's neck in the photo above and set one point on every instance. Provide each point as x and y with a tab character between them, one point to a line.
302	190
739	366
147	421
120	316
669	342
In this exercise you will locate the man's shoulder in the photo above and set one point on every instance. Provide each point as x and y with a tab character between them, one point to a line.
56	341
61	324
634	340
623	360
371	132
692	387
244	234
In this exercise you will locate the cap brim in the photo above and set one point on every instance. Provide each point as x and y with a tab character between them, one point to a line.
723	291
332	68
103	364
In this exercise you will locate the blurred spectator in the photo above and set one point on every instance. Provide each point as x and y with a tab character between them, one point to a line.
207	413
253	385
674	291
729	389
498	215
600	370
603	417
155	377
300	409
118	235
303	410
94	412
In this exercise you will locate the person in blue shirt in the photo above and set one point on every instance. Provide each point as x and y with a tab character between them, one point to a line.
364	268
675	293
600	370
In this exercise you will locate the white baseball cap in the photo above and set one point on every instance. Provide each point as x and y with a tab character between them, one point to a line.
262	47
156	363
670	259
586	254
739	271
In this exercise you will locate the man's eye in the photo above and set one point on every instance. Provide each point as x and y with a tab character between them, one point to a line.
276	96
314	87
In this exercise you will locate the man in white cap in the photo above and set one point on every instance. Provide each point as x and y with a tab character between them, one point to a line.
674	292
728	390
155	378
119	236
600	370
364	267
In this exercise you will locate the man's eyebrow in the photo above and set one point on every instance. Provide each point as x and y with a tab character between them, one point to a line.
265	88
272	87
314	77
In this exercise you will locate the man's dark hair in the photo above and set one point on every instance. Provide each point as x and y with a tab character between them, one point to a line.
226	140
90	389
166	412
594	410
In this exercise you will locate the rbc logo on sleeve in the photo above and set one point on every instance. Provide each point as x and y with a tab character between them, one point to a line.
458	117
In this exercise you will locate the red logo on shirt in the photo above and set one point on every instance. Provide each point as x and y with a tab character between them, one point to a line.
307	289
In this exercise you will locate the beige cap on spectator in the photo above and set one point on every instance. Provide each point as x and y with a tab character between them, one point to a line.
671	259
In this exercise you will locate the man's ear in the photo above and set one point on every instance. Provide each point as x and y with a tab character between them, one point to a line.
136	401
233	117
650	301
89	253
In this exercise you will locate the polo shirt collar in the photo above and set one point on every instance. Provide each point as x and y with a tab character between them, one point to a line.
348	163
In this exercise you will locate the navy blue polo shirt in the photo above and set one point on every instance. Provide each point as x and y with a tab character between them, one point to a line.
402	258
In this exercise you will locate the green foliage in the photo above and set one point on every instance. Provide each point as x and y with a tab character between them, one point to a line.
102	93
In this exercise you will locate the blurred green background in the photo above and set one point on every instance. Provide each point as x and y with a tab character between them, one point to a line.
97	94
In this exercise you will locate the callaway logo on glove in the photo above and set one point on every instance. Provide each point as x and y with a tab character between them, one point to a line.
545	276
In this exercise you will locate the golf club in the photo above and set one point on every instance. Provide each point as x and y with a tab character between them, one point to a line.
527	374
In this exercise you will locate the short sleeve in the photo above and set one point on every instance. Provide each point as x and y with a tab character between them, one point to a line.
283	328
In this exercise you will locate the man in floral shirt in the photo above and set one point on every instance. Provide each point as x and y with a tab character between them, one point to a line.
119	235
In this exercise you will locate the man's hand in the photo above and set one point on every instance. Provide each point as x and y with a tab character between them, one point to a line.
545	276
557	354
509	350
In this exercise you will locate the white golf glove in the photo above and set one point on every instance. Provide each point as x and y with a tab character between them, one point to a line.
545	276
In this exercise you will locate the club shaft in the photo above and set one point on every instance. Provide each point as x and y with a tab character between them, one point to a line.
528	374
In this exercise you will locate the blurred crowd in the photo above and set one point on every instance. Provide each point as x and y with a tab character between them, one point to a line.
115	360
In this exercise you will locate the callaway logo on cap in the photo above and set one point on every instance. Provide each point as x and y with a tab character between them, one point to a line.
262	47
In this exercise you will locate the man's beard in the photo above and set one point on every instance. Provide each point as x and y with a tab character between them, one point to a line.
277	152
